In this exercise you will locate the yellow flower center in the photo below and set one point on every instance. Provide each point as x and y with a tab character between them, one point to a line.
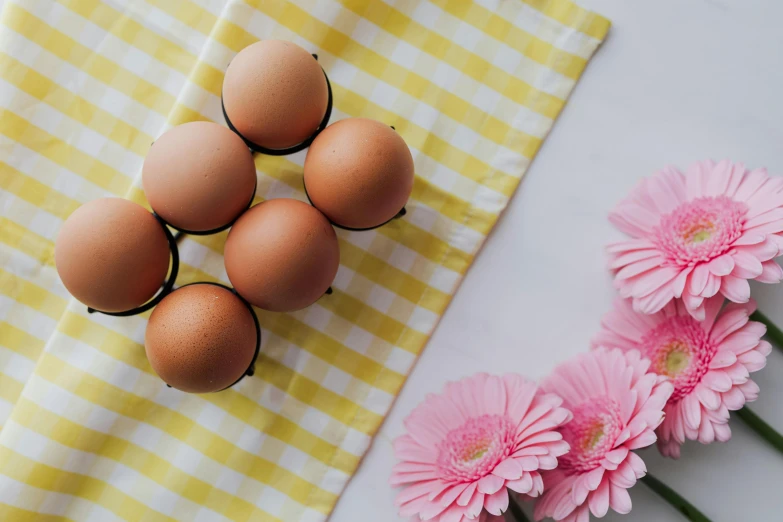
471	451
698	232
675	358
680	349
593	436
475	451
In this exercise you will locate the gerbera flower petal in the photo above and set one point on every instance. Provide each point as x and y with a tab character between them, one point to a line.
623	476
508	469
723	360
691	408
413	507
746	265
771	273
722	432
619	499
720	229
528	463
766	218
732	319
695	306
699	277
738	372
616	405
523	485
735	288
599	501
459	456
772	227
706	433
450	495
450	514
547	462
734	399
721	265
709	398
764	250
635	256
467	494
750	184
753	361
642	440
475	506
750	238
717	380
497	503
751	391
669	448
708	364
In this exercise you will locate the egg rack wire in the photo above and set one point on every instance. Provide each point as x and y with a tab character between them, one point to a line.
296	148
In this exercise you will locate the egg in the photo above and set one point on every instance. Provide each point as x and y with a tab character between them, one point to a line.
201	338
199	176
282	255
275	94
359	173
112	254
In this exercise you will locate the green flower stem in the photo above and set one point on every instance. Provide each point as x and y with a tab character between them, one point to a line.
764	430
672	497
519	515
774	333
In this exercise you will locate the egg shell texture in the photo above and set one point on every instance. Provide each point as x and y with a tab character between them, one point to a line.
112	254
200	338
275	94
359	173
282	255
199	176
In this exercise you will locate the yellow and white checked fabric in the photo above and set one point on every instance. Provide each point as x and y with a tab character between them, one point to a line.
88	431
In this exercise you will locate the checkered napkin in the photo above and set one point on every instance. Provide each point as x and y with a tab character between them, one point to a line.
89	433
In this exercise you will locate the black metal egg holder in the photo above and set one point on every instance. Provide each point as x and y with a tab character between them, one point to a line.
289	150
167	287
172	238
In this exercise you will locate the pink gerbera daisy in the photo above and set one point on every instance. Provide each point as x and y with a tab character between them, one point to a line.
696	234
616	404
466	446
708	362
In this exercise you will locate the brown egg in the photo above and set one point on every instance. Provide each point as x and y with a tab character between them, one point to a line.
112	254
199	176
275	94
359	173
282	255
201	338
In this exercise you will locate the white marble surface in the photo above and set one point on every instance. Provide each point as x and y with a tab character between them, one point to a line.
676	81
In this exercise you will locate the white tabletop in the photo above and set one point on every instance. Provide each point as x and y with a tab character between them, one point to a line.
676	81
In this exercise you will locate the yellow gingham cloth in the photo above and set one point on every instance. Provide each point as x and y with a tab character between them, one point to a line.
89	433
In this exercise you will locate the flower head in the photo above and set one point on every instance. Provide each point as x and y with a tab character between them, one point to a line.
467	446
709	363
616	404
698	234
